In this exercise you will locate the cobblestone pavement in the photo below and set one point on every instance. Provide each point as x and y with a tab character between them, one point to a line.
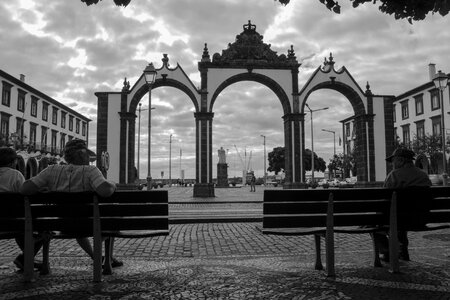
233	261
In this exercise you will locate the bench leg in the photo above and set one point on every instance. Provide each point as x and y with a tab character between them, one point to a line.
45	257
318	265
108	255
376	252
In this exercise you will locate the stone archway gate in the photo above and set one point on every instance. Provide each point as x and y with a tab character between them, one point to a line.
247	59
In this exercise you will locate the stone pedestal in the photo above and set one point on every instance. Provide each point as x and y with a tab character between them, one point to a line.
222	175
204	190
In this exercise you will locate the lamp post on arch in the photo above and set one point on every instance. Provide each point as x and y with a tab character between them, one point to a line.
149	76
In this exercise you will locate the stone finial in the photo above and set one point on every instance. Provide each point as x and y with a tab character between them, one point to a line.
126	85
330	60
291	53
165	60
205	55
368	91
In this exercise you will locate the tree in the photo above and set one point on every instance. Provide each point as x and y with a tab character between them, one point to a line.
276	160
277	157
401	9
431	146
117	2
344	163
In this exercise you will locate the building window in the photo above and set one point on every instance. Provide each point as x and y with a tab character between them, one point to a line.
69	138
419	104
6	93
34	104
436	125
83	129
53	142
21	100
44	111
63	119
420	129
43	138
405	110
62	142
4	125
32	139
71	123
406	135
77	126
435	104
394	117
19	127
347	129
55	115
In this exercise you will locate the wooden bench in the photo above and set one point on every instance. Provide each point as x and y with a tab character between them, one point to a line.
126	214
322	212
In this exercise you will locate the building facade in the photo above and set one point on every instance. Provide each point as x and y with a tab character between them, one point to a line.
417	116
35	124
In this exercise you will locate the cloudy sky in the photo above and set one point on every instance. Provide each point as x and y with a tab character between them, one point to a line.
70	51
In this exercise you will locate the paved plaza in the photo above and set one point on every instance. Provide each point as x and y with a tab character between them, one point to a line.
232	260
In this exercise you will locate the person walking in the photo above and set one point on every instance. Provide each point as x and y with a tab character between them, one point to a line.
77	176
403	175
252	183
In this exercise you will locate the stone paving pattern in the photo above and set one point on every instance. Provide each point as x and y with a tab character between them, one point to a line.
233	261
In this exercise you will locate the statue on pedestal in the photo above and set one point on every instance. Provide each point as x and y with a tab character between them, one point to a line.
222	173
222	156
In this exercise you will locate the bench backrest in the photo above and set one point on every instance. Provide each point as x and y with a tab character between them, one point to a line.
12	214
308	207
354	207
72	213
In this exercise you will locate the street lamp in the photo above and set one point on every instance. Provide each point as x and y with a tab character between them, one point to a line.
139	138
312	138
334	146
265	174
149	76
170	160
441	82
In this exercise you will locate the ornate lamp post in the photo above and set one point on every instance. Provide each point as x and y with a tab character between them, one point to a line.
312	138
441	82
334	145
170	160
265	173
149	75
139	138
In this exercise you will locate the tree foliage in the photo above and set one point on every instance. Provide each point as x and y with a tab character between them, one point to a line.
401	9
117	2
412	10
344	163
277	158
431	146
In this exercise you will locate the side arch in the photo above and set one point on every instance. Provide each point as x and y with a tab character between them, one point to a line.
264	80
160	83
132	111
347	91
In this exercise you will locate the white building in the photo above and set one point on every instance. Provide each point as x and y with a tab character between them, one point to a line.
35	123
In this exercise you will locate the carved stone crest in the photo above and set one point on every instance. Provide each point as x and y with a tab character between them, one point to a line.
250	48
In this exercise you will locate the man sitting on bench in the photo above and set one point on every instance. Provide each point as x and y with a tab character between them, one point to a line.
77	176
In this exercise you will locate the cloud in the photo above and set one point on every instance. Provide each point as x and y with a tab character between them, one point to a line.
70	51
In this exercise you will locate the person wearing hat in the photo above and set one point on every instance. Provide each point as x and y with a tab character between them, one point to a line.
403	175
76	176
11	181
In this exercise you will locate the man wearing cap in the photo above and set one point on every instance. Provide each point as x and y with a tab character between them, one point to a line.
403	175
11	181
76	176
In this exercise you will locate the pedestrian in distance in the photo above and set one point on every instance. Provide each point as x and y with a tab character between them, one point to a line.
11	181
252	183
403	175
76	176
